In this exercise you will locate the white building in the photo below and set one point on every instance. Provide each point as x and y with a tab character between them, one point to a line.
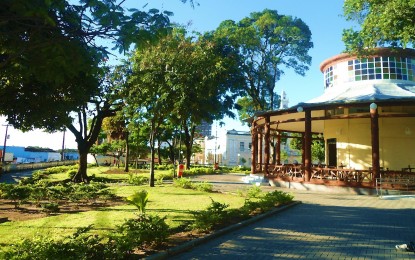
229	148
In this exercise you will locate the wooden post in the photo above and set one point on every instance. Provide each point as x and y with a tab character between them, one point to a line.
260	149
278	148
254	147
307	145
266	145
374	129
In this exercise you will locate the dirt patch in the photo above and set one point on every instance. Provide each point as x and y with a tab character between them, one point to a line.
27	211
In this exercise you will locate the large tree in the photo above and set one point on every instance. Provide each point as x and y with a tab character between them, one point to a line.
180	81
382	22
51	53
267	43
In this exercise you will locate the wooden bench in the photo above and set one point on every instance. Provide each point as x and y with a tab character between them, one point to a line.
396	182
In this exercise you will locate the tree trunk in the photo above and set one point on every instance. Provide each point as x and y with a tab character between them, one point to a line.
127	151
81	175
159	155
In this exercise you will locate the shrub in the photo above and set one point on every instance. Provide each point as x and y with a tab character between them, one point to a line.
184	183
80	245
145	229
50	207
71	173
159	180
18	194
136	179
214	216
58	192
254	192
38	193
199	171
139	199
204	186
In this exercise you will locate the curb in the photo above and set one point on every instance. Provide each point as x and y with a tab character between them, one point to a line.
193	243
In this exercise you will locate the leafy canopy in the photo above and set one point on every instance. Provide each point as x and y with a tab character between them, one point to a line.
382	22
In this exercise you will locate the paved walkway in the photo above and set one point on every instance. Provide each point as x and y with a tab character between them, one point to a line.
323	226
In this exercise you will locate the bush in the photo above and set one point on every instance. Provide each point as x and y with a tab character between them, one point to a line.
136	179
184	183
71	173
50	207
58	192
143	230
139	199
80	245
204	186
38	193
199	171
254	192
17	193
214	216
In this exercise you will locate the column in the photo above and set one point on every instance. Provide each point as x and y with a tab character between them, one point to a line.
374	130
254	148
266	145
278	148
260	137
307	145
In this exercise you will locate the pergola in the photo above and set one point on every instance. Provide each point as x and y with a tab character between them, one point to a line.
373	110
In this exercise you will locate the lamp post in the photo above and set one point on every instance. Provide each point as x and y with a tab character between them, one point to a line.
5	142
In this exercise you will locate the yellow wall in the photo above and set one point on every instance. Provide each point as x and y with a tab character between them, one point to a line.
397	142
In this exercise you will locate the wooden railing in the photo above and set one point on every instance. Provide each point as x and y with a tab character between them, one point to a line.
296	172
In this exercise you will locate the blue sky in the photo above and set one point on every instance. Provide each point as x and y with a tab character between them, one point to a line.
324	18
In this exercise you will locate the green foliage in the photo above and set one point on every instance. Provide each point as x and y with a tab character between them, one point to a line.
254	192
199	171
159	180
184	183
204	186
145	229
17	193
136	179
71	173
214	215
164	167
217	214
80	245
139	199
383	23
39	192
50	207
273	41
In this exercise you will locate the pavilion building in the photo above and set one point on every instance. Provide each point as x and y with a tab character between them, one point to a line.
366	117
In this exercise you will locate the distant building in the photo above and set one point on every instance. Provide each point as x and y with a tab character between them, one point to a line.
204	129
30	155
229	148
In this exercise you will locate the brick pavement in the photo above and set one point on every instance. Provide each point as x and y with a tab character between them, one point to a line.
323	226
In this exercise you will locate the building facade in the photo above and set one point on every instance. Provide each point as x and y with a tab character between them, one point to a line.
366	117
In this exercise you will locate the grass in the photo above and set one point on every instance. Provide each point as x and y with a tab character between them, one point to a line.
164	200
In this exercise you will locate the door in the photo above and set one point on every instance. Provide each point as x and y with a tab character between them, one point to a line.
332	152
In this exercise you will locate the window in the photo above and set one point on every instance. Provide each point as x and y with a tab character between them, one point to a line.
334	112
381	68
241	146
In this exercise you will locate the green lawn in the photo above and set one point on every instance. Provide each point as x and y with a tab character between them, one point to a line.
164	200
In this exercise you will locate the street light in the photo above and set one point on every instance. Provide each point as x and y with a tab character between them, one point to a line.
5	142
